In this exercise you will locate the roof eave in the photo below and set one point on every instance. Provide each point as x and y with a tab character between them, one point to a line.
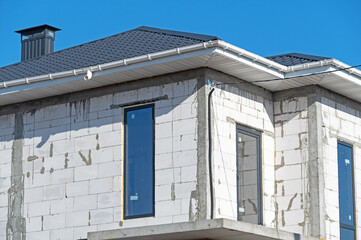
264	67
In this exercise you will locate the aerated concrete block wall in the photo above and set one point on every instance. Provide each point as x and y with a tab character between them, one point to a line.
61	169
291	173
61	158
243	104
341	120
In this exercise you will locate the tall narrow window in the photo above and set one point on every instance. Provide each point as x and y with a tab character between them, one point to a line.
249	175
346	191
139	161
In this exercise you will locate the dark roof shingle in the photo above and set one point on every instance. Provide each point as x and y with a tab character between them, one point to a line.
291	59
136	42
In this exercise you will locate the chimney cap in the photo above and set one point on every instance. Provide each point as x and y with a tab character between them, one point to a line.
37	29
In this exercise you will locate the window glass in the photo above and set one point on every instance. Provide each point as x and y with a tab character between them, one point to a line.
346	191
347	234
139	161
345	184
248	172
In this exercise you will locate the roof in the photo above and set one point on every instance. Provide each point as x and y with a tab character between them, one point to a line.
291	59
136	42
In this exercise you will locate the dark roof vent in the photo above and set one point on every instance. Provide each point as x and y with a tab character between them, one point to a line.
37	41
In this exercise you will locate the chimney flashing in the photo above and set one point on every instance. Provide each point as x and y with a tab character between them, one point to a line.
36	29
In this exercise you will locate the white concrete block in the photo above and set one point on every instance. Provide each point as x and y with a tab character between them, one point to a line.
184	190
180	218
101	185
85	172
4	200
61	206
5	170
166	208
100	103
101	125
106	200
164	115
85	143
117	184
109	139
189	173
3	213
55	221
5	183
185	142
163	130
163	145
41	235
38	208
125	97
81	232
77	188
62	176
33	224
101	216
54	192
74	219
186	126
104	154
185	158
164	176
85	203
33	194
163	161
62	234
63	147
109	169
163	192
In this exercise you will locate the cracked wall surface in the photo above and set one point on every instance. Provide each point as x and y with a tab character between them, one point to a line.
250	106
291	164
341	120
70	158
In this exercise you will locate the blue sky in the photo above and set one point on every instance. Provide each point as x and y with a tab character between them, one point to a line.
327	28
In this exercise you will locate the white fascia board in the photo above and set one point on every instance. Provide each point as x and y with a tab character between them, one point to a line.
155	62
309	71
327	62
38	84
47	83
247	61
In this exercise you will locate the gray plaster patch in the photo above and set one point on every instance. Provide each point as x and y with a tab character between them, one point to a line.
16	225
85	160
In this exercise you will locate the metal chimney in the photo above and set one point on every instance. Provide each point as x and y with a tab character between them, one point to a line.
37	41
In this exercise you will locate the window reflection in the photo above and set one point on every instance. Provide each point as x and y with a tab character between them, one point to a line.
139	161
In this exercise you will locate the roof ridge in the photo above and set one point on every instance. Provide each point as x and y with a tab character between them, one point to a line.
194	36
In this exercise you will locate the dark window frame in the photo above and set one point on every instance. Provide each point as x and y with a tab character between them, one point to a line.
342	225
258	135
125	110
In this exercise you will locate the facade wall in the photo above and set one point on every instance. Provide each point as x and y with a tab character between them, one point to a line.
341	120
291	164
7	123
61	164
71	159
252	107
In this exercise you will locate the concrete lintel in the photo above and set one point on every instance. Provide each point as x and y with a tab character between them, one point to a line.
217	229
